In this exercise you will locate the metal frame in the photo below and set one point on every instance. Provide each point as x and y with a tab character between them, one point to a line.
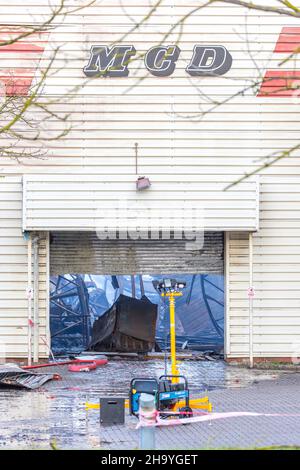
78	289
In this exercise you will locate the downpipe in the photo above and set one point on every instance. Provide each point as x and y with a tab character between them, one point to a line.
32	297
36	320
251	294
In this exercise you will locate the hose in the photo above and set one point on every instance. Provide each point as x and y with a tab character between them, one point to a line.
98	362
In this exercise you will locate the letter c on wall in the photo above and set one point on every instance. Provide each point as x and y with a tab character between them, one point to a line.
160	61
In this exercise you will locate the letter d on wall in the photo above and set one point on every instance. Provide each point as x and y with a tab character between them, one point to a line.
209	61
161	60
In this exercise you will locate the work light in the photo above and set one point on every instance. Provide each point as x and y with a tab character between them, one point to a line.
167	283
170	285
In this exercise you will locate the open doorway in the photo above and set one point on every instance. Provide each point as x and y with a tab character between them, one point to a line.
125	313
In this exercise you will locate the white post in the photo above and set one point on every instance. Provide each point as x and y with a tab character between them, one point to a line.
251	294
147	417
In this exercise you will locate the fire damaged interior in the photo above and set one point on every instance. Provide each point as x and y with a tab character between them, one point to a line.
97	303
129	325
126	313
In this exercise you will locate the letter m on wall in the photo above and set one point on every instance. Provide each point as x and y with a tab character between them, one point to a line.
283	83
109	62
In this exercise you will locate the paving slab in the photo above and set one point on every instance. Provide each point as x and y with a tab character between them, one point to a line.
54	416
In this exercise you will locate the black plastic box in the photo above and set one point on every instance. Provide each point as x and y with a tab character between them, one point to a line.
112	411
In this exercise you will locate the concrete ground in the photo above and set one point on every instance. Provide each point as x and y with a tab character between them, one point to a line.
55	416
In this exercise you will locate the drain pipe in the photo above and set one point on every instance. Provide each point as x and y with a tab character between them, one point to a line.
35	243
251	295
29	297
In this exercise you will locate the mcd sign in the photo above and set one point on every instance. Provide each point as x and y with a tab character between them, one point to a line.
160	61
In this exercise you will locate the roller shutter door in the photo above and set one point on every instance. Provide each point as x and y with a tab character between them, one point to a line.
83	252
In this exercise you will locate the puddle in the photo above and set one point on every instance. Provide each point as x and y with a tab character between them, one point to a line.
55	417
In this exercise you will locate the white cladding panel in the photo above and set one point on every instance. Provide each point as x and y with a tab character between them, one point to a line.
13	275
56	202
181	151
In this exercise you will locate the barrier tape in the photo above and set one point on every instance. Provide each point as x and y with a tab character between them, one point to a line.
209	417
148	418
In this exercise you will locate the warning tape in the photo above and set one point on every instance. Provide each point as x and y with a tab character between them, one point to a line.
209	417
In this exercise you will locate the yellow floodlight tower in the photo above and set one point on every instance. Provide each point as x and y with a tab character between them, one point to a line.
171	289
171	296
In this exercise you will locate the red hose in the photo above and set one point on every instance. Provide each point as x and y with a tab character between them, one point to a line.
82	367
48	364
86	365
99	362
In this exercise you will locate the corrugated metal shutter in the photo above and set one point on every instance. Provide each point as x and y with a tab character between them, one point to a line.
83	252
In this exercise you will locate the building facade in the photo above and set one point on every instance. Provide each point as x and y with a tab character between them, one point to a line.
180	119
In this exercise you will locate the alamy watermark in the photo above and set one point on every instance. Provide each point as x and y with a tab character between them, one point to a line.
142	219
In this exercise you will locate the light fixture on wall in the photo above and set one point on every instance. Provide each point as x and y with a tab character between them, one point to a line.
142	182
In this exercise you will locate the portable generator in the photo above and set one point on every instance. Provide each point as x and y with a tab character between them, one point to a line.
169	396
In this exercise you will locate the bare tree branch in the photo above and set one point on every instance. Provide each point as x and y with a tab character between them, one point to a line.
17	125
290	10
270	160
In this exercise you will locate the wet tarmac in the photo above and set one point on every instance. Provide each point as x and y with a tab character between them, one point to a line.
54	416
